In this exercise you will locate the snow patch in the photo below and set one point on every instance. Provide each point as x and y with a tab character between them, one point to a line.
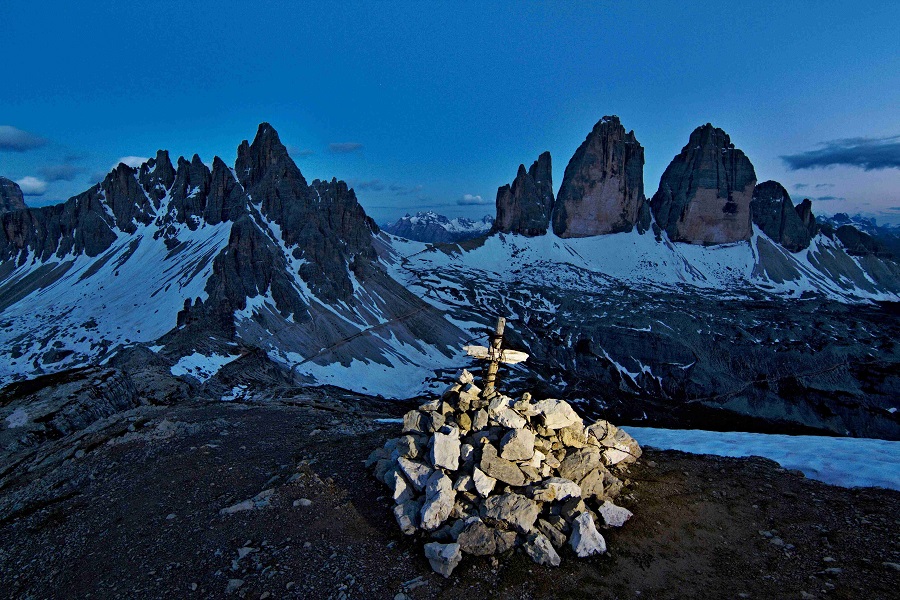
200	366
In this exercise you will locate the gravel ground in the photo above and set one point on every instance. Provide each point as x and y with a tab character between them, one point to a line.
135	511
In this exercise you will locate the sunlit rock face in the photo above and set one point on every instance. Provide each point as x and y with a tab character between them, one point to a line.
705	193
603	186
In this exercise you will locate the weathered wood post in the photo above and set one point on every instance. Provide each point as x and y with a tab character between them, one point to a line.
494	357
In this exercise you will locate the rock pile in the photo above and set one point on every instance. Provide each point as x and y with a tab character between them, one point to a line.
483	476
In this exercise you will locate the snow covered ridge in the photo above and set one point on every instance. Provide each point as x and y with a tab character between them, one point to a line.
431	227
847	462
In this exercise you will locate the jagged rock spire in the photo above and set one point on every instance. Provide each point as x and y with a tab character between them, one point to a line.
773	212
525	206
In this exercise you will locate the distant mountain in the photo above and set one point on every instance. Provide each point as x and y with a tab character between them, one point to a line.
433	228
202	261
881	240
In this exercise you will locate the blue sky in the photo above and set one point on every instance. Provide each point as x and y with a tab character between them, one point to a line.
431	105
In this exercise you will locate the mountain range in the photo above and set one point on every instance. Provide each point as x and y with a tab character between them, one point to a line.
716	302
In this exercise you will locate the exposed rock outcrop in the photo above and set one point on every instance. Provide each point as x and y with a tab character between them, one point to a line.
11	197
525	206
603	186
772	211
804	211
704	194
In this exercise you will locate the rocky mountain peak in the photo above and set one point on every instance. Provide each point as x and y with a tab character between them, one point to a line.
804	211
254	160
773	212
525	206
603	186
156	176
705	193
11	197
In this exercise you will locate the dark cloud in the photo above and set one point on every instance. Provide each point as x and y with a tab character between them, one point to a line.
830	198
896	208
16	140
402	190
64	172
345	147
375	185
297	152
471	200
824	186
801	186
866	153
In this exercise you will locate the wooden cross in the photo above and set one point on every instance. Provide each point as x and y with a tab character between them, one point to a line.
495	354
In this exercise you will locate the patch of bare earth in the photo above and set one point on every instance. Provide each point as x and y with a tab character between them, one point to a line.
139	515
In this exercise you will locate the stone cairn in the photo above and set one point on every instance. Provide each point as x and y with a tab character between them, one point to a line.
484	473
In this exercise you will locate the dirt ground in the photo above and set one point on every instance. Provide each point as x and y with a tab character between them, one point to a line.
132	510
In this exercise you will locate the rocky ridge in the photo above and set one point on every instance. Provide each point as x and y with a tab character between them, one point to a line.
603	186
772	211
11	197
481	476
433	228
525	206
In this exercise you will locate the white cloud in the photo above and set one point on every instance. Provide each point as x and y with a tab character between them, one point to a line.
16	140
32	186
469	200
131	161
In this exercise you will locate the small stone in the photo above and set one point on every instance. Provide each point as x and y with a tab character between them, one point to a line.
233	585
194	587
466	452
443	557
416	421
585	539
477	538
464	421
614	516
464	377
464	483
573	436
518	444
469	394
170	516
542	552
551	532
484	484
579	463
290	585
265	596
556	488
407	516
891	566
480	421
431	406
304	502
402	490
445	448
507	417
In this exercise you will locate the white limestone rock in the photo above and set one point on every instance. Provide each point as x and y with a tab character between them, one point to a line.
614	516
445	448
484	484
585	539
557	413
518	444
439	500
416	472
542	551
513	509
443	557
402	491
407	516
556	488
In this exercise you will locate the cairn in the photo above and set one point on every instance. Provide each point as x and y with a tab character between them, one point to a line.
484	474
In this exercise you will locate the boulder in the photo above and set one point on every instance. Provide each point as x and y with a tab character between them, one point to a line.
556	488
416	472
551	532
518	444
513	509
557	413
704	194
585	538
477	538
402	491
443	557
407	516
499	468
603	187
484	484
579	463
525	206
439	501
445	448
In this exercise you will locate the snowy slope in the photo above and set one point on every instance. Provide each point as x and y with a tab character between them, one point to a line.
847	462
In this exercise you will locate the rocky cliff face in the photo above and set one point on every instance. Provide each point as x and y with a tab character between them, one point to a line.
705	193
11	197
773	212
603	186
525	206
804	211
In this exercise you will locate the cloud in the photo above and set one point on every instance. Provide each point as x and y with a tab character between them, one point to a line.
298	152
376	185
869	154
345	147
830	198
131	161
64	172
895	208
823	186
32	186
403	190
470	200
16	140
801	186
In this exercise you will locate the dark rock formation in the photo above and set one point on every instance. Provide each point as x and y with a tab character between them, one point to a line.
11	197
704	194
525	206
190	191
804	211
603	187
772	211
156	176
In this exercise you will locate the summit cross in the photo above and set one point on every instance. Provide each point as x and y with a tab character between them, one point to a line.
495	354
